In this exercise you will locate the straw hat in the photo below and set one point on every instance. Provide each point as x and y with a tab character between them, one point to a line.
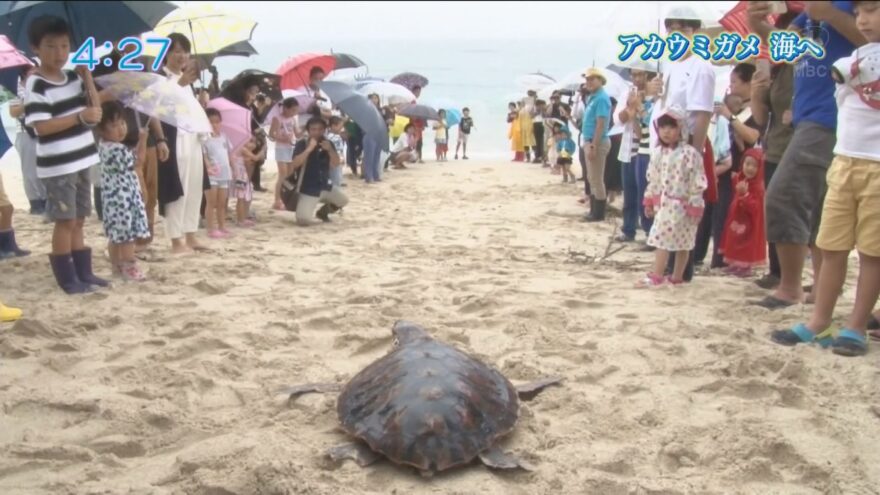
596	72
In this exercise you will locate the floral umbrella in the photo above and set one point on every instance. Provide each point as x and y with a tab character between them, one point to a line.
410	80
157	96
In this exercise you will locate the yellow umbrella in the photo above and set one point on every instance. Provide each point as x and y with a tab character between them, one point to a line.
208	28
399	123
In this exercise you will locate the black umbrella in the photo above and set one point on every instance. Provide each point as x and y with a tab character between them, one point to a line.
105	21
239	49
415	111
347	61
270	85
359	108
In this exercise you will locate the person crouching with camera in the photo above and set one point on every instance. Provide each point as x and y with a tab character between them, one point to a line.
313	157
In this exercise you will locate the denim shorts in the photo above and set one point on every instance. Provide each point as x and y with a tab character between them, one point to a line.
284	154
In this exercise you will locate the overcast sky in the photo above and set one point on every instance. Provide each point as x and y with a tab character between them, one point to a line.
279	21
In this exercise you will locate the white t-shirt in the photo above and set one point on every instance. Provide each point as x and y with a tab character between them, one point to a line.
858	125
401	144
689	84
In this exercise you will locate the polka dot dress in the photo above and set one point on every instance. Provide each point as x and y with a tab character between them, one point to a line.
125	218
676	181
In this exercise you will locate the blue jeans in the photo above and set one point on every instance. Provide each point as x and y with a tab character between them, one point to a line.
641	176
372	155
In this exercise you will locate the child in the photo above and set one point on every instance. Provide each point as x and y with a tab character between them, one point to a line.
514	132
464	132
849	214
334	134
744	240
441	133
125	216
403	150
56	108
284	133
243	161
217	151
674	198
565	148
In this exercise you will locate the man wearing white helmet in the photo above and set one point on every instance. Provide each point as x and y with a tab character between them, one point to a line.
688	83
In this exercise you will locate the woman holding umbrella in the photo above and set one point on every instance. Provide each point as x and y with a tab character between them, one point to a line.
181	177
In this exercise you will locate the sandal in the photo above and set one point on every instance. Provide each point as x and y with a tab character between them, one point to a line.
873	323
849	343
800	334
131	272
651	280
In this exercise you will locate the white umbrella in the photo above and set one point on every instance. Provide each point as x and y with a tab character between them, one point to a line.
389	93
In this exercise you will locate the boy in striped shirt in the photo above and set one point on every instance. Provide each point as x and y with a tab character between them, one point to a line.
56	108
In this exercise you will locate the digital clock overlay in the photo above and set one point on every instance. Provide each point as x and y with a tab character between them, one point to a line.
85	54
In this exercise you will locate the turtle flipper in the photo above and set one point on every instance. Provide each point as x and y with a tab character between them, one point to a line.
496	458
357	452
308	388
528	391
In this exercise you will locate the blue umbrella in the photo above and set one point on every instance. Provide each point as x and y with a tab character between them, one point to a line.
360	109
453	117
105	21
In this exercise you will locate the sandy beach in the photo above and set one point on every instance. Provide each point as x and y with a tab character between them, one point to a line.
169	387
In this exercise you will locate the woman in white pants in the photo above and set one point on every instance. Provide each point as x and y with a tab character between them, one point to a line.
181	210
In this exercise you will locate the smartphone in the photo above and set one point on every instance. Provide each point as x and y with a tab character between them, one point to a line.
778	7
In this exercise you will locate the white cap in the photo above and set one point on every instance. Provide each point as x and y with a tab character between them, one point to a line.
683	13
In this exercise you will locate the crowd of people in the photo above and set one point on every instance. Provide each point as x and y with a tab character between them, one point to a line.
786	165
78	144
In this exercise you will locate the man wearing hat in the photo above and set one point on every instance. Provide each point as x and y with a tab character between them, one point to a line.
690	84
596	144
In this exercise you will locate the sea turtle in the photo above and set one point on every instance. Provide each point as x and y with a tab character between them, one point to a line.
428	405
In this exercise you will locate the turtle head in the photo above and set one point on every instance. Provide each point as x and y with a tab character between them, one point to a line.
407	332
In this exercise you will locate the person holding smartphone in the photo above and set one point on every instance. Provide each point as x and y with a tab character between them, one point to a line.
313	157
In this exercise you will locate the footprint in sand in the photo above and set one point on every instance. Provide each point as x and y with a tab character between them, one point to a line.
209	288
627	316
577	304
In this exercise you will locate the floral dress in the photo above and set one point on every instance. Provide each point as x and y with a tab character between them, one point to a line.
125	218
676	182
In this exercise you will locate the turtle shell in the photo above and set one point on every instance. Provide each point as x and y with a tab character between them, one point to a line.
428	405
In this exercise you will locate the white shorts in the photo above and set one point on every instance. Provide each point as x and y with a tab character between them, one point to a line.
284	154
463	138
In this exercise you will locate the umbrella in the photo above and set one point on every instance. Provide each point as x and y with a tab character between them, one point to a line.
360	82
736	20
294	71
270	84
359	109
416	111
410	80
534	81
11	63
623	69
399	125
105	21
208	28
239	49
5	144
236	121
347	61
453	117
157	96
391	93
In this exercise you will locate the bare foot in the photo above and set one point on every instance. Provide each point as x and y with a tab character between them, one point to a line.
181	250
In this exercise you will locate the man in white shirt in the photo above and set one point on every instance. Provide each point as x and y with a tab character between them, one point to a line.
690	84
316	75
403	150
